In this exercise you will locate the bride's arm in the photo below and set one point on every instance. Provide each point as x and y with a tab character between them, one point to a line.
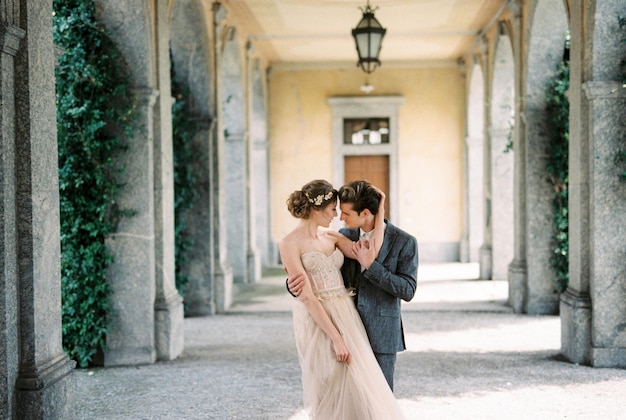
379	223
290	256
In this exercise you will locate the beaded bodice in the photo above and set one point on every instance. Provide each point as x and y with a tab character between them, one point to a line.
323	270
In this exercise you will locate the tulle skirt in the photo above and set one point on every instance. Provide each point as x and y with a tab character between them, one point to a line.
333	390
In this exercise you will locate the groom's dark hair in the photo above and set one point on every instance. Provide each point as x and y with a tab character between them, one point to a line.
361	194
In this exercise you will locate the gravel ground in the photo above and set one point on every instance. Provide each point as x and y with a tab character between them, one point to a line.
468	357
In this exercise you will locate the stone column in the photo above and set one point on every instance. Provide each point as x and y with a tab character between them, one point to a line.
541	295
501	203
222	272
10	37
575	305
235	155
168	307
260	167
485	256
131	337
43	385
200	293
607	223
193	60
223	277
475	197
517	275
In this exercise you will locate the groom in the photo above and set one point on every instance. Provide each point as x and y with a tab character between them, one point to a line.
379	282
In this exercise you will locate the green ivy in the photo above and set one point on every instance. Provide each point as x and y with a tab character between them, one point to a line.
184	128
95	114
557	167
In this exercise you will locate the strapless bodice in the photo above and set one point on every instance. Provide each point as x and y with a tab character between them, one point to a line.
323	270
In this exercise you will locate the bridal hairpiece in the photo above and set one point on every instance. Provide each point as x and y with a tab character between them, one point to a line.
320	198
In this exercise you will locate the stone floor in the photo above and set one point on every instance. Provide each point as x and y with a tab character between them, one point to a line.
468	357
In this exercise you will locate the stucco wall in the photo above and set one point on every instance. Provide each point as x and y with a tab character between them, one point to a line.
430	142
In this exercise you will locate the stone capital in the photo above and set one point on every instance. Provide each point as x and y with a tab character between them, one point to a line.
499	131
146	96
604	90
235	137
473	141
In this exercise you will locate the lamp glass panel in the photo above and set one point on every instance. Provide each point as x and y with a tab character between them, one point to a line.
374	45
364	131
362	45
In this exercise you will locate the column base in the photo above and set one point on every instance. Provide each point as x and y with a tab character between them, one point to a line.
169	327
518	285
608	357
46	392
486	264
254	267
575	309
223	286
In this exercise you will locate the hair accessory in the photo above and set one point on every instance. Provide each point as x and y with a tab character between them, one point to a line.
320	198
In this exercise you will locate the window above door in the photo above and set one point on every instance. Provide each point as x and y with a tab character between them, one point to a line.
359	131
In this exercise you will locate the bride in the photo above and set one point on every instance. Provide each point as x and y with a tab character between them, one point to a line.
341	378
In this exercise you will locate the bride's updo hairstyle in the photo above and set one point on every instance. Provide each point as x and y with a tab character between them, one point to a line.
314	195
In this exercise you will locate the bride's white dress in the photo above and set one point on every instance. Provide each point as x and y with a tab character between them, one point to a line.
333	390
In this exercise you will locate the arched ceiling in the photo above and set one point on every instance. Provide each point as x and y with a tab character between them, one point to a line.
318	32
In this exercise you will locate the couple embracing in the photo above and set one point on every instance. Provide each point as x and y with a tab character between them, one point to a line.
349	284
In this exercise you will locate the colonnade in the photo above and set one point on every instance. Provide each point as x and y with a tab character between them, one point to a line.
226	80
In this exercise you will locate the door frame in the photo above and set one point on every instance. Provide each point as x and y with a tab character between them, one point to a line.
367	107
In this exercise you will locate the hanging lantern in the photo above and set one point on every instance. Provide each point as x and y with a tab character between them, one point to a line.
368	37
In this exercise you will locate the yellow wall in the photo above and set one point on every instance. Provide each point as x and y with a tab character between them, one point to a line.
431	137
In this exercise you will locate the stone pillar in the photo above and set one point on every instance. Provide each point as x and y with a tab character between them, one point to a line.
193	60
253	260
222	272
485	257
501	203
202	267
575	305
260	168
131	337
607	131
10	37
475	197
223	277
541	295
43	384
235	155
517	275
168	307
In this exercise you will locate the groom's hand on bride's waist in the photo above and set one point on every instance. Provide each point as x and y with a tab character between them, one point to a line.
295	284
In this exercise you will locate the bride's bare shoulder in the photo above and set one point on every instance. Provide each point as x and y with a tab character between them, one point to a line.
291	239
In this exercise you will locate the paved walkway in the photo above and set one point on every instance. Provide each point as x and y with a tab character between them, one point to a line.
468	357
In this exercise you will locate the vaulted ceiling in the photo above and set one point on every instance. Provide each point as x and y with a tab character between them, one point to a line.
318	32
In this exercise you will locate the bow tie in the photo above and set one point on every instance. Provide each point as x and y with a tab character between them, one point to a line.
365	236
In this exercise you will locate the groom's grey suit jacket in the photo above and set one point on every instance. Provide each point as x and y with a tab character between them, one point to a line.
392	276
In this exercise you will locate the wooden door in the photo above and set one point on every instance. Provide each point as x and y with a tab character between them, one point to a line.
374	169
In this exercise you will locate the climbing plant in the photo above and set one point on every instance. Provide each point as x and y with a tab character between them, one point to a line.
557	112
95	115
184	128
